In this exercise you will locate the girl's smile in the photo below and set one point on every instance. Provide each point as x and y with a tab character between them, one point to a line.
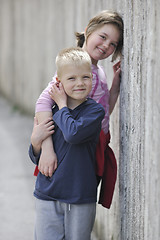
102	42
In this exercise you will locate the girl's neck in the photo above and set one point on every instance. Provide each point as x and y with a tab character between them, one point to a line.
94	62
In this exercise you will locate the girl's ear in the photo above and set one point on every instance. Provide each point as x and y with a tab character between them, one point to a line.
85	31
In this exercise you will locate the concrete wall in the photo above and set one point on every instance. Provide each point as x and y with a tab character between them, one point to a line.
31	34
139	123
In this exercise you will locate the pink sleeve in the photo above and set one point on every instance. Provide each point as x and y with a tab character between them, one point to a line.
45	102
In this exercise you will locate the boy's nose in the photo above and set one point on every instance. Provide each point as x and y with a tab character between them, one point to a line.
80	82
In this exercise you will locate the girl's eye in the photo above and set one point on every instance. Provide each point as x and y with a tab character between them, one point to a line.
114	45
103	37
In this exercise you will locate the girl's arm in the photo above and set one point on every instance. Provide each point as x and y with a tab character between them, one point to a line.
40	133
115	88
44	102
48	158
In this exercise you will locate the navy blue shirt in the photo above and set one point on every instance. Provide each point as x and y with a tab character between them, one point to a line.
75	138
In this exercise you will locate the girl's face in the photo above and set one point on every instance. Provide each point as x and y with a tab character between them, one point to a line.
102	42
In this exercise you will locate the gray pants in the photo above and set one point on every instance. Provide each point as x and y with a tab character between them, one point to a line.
59	221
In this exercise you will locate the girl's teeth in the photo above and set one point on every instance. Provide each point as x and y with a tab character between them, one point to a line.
101	50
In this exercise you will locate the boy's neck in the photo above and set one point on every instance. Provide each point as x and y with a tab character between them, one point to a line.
72	103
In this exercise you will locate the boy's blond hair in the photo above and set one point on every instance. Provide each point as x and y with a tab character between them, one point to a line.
73	55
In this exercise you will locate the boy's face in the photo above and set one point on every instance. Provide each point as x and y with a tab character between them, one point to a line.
77	81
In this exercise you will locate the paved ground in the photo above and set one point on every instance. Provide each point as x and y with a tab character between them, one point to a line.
16	175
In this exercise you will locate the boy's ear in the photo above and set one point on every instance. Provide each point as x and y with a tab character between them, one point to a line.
57	79
57	82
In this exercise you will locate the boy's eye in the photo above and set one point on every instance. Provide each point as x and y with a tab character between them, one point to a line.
71	78
86	77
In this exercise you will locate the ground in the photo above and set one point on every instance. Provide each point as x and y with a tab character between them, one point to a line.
16	175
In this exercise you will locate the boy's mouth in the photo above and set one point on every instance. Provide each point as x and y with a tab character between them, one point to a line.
79	90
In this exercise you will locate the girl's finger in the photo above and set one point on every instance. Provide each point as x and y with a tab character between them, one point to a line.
35	121
50	125
60	86
116	68
117	65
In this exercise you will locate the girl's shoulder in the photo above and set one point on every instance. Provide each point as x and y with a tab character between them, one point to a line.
99	72
98	69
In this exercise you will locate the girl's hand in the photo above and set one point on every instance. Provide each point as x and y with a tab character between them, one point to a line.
115	88
58	94
117	67
117	70
41	132
117	77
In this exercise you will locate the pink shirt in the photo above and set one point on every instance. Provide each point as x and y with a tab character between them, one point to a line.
99	93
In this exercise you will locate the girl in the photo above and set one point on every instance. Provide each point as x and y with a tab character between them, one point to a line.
102	38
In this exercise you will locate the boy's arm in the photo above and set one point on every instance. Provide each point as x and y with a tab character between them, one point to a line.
79	130
34	158
115	88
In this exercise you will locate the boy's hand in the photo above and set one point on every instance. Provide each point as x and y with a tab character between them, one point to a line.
40	133
58	94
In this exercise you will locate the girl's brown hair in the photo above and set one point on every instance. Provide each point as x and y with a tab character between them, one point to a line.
104	17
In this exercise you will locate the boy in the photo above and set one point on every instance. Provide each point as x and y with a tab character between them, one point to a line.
66	202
